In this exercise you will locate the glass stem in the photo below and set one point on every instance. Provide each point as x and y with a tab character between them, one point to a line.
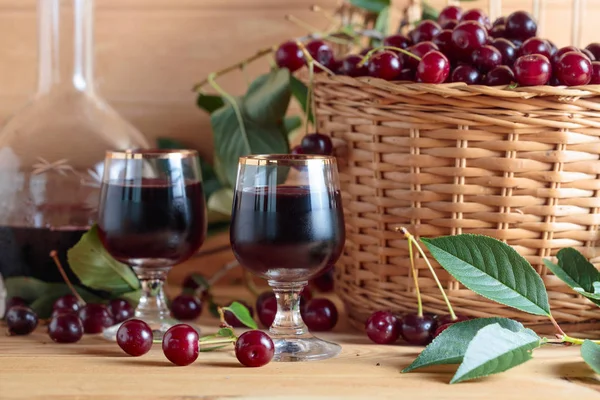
288	321
153	302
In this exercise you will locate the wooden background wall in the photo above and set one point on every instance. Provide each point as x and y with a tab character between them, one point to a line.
150	52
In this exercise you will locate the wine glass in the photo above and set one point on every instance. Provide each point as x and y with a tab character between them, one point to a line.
152	216
287	226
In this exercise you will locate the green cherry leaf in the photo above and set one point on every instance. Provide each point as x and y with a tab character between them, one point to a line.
493	270
241	313
209	102
96	269
226	332
496	349
565	276
450	346
374	6
291	124
300	92
590	352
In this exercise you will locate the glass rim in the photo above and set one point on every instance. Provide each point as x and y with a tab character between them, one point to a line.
287	159
141	154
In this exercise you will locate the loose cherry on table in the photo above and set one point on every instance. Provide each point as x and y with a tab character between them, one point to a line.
289	55
383	327
95	317
67	302
449	13
186	307
21	320
121	310
573	69
180	344
254	349
65	328
507	49
467	74
501	75
134	337
424	32
520	25
15	301
418	330
320	315
486	58
385	65
267	311
434	67
532	70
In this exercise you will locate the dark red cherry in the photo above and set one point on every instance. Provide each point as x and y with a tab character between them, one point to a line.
501	75
180	344
520	25
486	58
419	50
254	349
262	297
399	41
297	150
467	74
552	47
407	74
324	281
320	51
350	66
476	15
498	31
305	296
417	330
434	67
95	317
134	337
186	307
449	13
15	301
121	310
364	51
67	302
320	315
535	45
267	311
588	54
440	329
447	319
499	21
469	36
232	319
21	320
595	80
562	51
290	56
383	327
316	143
573	69
385	65
443	41
507	49
532	70
65	328
517	42
594	48
424	32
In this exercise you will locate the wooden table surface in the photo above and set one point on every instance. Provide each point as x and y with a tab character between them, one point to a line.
33	367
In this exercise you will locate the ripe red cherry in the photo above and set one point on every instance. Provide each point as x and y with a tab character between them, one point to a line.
67	302
520	25
399	41
65	328
316	143
535	45
507	49
418	330
499	21
262	297
186	307
232	319
267	311
424	32
324	282
573	69
498	31
532	70
385	65
290	56
476	15
14	301
419	50
562	51
588	54
320	51
449	13
443	41
180	344
350	66
501	75
469	36
434	67
297	150
407	74
595	80
21	320
440	329
134	337
467	74
486	58
450	24
254	349
121	310
447	319
320	315
594	48
383	327
95	317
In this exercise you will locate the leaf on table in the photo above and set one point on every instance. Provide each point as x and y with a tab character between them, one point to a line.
209	102
590	352
496	349
241	313
96	269
491	269
564	276
375	6
450	346
300	93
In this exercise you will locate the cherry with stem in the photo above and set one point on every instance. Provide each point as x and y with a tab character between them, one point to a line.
54	256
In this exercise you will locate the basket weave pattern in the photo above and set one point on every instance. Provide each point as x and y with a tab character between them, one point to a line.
521	165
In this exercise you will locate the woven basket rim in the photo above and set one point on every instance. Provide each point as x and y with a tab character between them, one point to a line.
460	89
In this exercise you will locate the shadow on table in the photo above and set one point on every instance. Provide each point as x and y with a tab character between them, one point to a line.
579	373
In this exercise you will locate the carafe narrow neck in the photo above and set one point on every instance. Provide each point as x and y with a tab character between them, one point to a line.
66	45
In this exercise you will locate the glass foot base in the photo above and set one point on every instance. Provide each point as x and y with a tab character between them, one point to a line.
305	349
159	328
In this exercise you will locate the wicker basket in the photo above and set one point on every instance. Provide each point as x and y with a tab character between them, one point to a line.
521	165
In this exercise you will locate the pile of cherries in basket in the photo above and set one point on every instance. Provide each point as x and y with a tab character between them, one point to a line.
461	47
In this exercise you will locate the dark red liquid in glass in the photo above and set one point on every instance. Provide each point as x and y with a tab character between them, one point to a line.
287	233
152	223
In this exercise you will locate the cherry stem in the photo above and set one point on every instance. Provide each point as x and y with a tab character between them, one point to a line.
310	58
221	272
54	256
309	95
220	340
413	270
435	277
558	328
250	283
569	339
376	49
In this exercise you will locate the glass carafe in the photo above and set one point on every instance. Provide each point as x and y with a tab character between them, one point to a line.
52	150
